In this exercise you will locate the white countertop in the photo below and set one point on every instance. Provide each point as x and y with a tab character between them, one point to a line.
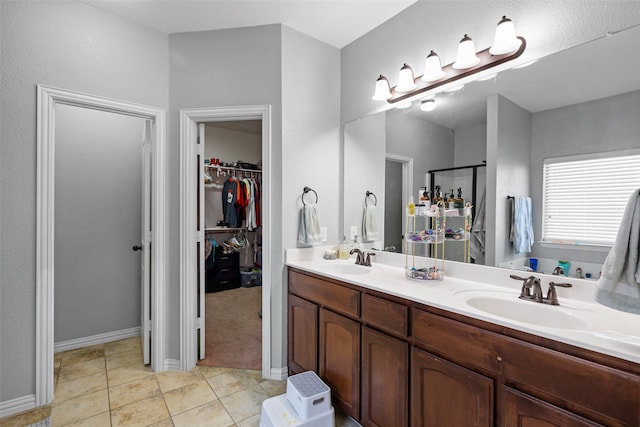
584	323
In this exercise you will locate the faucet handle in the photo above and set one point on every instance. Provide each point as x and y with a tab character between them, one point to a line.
368	260
513	276
552	295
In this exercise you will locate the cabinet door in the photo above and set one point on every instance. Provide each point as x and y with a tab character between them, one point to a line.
520	410
303	335
385	376
340	360
446	394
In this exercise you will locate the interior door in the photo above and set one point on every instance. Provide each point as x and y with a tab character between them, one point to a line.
200	240
145	247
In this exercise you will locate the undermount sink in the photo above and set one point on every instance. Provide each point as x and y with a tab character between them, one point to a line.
346	268
509	306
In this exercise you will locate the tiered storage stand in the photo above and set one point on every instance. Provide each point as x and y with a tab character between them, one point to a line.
436	237
307	403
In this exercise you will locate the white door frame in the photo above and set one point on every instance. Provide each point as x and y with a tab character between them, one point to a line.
189	119
48	98
407	182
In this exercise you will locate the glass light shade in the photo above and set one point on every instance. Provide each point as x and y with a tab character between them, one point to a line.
383	90
428	105
466	54
406	81
403	105
432	68
505	40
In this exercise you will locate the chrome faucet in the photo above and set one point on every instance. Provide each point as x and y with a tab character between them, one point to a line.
362	258
532	290
558	271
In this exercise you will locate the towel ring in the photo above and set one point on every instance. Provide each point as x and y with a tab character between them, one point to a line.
305	191
369	193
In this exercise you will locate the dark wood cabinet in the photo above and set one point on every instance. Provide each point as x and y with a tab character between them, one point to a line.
445	394
303	335
385	385
391	362
521	410
340	359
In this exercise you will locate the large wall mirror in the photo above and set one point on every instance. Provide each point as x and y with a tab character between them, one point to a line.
579	101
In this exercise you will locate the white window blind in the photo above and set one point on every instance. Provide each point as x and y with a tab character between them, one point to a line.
584	197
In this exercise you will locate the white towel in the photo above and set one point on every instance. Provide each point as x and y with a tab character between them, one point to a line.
521	225
309	226
369	226
478	231
619	284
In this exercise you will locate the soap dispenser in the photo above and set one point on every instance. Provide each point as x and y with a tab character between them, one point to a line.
343	248
451	200
411	207
459	201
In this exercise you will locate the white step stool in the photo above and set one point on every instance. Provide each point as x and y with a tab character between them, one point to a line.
307	402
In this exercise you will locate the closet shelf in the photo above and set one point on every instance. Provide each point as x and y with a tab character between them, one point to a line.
227	229
229	168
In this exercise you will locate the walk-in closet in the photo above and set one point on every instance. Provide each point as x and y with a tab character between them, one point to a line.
230	196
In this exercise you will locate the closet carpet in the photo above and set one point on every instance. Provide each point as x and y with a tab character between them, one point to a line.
233	329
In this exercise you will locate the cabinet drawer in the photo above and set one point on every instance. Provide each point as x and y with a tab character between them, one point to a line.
386	315
336	297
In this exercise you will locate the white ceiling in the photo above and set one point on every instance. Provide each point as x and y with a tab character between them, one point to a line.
336	22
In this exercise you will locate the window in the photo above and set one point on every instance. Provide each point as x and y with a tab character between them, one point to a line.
584	197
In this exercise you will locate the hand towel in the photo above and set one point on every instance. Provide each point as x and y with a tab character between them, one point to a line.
521	234
309	226
369	226
619	284
478	231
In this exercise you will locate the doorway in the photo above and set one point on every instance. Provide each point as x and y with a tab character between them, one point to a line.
398	176
50	100
192	235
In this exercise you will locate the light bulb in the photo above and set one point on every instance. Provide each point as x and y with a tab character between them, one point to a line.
432	68
383	91
406	81
505	40
466	54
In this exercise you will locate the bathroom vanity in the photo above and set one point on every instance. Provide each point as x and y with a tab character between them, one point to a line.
397	353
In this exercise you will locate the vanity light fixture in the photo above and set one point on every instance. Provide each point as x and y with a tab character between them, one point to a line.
428	105
406	80
507	47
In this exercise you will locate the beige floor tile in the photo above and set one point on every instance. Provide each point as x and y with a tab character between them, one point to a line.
121	346
133	391
170	380
57	360
82	354
141	413
80	408
36	415
245	403
127	358
274	388
127	374
253	421
232	381
164	423
77	387
343	420
100	420
81	369
212	371
210	415
188	397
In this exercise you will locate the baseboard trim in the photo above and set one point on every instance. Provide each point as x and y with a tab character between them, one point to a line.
172	365
17	405
97	339
279	374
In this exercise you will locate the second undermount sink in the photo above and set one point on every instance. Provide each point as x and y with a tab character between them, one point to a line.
348	269
509	306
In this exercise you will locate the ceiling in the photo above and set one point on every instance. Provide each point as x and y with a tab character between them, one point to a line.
336	22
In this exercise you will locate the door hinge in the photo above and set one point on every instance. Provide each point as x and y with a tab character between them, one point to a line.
148	325
199	323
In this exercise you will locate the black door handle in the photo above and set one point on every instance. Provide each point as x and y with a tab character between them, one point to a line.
137	248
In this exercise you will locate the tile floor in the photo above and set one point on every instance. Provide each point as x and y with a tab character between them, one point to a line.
108	385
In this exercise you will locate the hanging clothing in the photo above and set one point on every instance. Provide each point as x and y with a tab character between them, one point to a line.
229	202
478	231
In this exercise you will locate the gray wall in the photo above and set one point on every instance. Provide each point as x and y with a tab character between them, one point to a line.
76	47
508	172
608	124
98	190
471	145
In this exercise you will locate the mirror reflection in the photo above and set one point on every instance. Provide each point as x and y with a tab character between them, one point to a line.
579	101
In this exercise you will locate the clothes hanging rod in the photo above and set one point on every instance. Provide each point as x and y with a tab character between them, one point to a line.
457	167
231	168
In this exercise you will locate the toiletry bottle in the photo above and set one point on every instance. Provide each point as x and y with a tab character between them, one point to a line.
421	194
438	195
427	199
411	207
459	202
343	250
451	200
